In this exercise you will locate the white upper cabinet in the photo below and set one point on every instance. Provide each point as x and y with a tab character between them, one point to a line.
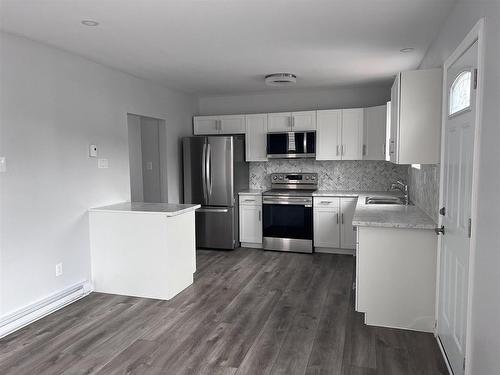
328	134
291	121
304	121
228	124
416	117
352	134
279	122
232	124
256	137
339	134
206	125
374	133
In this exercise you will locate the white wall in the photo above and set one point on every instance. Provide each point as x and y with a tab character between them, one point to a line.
486	305
283	100
54	104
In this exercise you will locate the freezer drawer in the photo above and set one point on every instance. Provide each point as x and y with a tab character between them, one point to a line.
216	228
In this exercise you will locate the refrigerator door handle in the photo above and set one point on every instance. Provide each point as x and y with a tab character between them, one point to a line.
214	210
209	171
204	173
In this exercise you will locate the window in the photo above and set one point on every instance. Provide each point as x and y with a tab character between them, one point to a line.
460	93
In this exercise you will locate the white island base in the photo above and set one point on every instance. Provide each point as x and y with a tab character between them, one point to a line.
143	250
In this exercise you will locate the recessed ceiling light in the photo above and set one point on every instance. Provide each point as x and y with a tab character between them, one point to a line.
280	79
90	23
407	49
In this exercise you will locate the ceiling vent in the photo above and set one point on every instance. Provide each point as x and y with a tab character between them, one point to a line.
281	79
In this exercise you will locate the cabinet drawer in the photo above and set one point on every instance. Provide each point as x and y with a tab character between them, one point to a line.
326	202
250	200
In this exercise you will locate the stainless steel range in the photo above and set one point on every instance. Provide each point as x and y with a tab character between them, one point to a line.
287	223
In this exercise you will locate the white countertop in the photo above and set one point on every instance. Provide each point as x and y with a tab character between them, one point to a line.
251	192
390	215
166	209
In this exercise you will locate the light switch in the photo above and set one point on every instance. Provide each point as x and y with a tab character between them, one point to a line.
102	163
93	151
3	164
149	165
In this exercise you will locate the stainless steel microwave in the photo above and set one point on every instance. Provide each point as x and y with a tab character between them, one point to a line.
291	145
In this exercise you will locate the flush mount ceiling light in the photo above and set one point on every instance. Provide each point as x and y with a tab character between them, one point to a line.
407	49
280	79
90	23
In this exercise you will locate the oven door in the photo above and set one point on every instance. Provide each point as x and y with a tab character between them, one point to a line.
287	224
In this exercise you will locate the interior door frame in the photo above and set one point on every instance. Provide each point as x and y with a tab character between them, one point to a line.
476	34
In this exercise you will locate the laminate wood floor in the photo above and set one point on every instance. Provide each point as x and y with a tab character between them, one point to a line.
248	312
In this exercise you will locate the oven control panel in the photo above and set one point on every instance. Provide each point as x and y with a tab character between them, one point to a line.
294	178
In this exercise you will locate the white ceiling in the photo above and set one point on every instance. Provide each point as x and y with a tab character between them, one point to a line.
227	46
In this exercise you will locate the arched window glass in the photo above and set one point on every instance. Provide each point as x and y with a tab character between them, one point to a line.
460	93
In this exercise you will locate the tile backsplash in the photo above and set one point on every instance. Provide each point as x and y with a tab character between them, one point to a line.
424	188
332	175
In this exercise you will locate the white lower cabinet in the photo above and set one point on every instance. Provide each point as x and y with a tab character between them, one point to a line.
347	235
333	230
250	220
326	222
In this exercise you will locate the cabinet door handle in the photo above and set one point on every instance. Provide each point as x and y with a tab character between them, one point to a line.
364	150
337	150
337	217
342	149
342	218
249	200
326	202
260	215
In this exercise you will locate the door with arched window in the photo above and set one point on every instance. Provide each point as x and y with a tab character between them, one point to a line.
456	197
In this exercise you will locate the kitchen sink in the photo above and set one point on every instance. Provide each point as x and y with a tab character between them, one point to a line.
384	200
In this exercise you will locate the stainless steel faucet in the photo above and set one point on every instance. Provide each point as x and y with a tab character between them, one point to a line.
403	187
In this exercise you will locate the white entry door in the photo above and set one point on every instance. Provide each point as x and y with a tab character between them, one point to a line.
456	193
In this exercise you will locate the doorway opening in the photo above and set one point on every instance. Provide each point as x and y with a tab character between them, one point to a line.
147	141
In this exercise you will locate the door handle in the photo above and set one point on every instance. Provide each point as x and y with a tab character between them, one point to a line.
214	210
337	217
326	202
439	230
260	215
337	150
342	218
209	170
204	173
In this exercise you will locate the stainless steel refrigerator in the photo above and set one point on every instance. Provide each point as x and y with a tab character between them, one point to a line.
214	172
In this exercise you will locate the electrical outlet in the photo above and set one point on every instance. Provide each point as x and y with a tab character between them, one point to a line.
59	270
102	163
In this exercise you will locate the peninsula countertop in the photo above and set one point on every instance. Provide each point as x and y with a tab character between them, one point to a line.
166	209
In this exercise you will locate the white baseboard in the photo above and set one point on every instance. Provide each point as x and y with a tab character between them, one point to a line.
330	250
37	310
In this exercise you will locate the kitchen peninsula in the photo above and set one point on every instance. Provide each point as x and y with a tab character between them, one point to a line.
143	249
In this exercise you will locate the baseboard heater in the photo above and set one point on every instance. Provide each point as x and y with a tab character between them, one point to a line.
31	313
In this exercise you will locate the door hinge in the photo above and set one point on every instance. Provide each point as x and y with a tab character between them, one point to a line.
442	211
469	230
475	79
